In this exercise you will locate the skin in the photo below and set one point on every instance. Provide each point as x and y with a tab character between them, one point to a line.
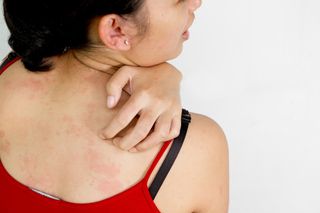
67	159
158	98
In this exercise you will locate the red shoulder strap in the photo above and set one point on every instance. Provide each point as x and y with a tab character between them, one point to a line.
9	60
157	158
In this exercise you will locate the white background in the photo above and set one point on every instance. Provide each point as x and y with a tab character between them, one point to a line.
253	66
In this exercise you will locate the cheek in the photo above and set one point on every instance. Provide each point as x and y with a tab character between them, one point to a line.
169	46
162	46
167	35
162	41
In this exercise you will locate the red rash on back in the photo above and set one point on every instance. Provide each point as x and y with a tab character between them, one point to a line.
32	84
72	128
95	160
29	84
30	87
106	173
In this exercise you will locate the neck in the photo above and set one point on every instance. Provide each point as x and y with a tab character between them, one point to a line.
75	70
95	63
106	61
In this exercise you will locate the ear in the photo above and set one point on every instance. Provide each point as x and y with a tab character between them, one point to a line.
114	32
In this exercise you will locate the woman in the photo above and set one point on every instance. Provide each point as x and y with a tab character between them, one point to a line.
67	161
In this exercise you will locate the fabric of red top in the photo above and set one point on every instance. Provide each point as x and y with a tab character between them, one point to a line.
16	197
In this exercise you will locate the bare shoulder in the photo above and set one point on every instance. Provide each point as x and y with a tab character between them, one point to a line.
199	177
205	128
207	144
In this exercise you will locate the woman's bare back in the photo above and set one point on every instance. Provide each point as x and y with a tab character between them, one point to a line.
49	141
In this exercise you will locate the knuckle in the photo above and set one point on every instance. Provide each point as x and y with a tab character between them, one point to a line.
158	99
144	94
163	134
160	103
150	114
136	103
176	107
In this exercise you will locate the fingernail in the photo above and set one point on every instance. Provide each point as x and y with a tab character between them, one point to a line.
110	101
102	136
133	150
115	141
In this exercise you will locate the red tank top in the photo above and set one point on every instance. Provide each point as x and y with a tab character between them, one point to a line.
16	197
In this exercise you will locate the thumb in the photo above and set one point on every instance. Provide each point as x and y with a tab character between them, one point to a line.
117	83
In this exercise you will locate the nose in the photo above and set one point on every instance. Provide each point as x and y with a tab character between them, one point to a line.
195	4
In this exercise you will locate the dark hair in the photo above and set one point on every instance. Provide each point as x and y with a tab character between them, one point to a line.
44	28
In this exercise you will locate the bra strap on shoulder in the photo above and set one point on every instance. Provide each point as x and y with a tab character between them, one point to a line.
7	61
171	156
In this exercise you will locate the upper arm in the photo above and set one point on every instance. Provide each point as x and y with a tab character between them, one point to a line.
211	154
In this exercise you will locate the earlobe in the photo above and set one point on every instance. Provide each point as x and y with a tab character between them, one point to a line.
123	44
112	33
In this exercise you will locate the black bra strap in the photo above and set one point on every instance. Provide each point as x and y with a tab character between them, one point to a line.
11	56
171	156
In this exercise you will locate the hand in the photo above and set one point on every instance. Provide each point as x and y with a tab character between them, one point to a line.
155	96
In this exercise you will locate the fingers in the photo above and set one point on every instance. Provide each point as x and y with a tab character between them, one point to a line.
167	128
128	111
116	83
175	126
140	131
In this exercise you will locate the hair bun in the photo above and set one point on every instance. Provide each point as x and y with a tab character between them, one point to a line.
35	50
